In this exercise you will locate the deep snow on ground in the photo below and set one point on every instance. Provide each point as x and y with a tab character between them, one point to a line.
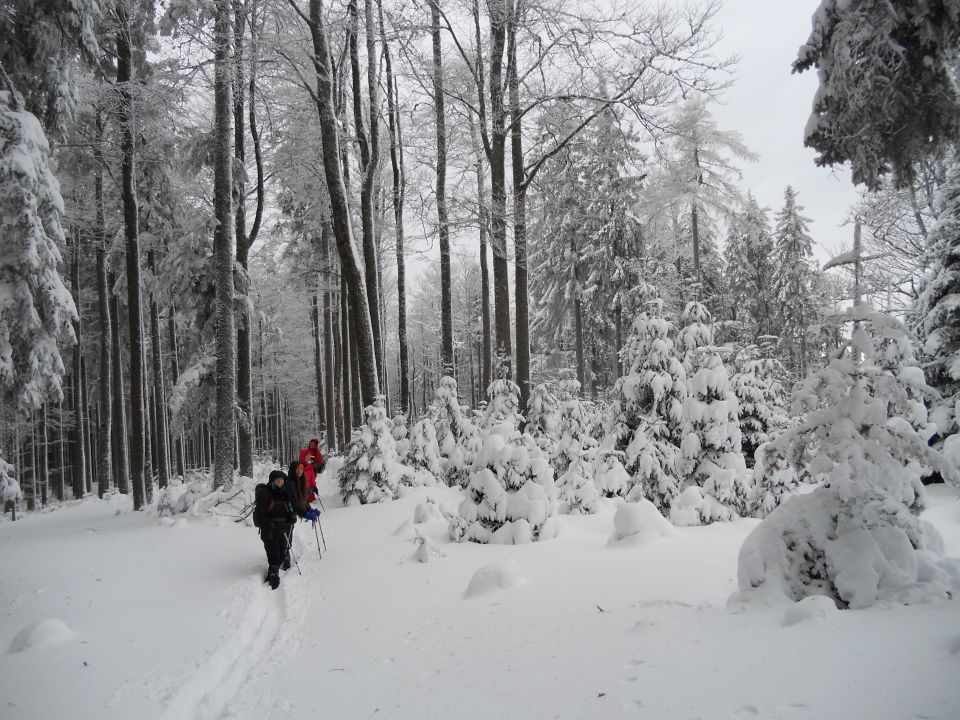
127	615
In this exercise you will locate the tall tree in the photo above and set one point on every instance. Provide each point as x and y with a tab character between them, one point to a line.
223	252
443	224
793	282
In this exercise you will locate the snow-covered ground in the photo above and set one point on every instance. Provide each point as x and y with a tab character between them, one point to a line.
110	614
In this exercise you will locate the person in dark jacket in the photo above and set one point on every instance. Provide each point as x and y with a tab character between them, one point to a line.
275	513
301	493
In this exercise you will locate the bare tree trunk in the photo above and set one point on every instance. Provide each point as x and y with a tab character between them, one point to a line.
77	456
346	362
161	433
223	255
361	311
396	162
121	458
443	226
105	426
90	473
328	342
482	220
317	359
519	210
131	217
174	379
498	188
44	464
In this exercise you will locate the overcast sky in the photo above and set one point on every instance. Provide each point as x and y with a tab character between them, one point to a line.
769	106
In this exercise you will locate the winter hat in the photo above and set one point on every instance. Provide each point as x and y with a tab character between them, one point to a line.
277	474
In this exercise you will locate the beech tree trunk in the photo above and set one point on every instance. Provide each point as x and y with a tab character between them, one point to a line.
482	221
77	454
223	253
330	420
396	162
121	458
446	303
498	189
360	314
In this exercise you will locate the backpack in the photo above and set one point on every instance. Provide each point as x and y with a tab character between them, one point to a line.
258	519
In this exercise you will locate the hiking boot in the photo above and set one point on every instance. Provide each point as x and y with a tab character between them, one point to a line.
273	576
286	563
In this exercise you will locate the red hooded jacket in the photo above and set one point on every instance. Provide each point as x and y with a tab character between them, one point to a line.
308	456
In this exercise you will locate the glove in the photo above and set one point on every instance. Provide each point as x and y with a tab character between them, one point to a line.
312	515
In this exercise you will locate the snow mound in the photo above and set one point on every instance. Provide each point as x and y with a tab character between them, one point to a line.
641	522
41	633
427	549
815	607
426	511
495	576
694	506
951	450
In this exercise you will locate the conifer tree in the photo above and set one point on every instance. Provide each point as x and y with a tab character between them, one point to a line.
749	270
711	456
938	305
794	279
372	471
36	309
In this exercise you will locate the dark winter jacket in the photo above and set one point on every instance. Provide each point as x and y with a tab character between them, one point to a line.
273	507
300	492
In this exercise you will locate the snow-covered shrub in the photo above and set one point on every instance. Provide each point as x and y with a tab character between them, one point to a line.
372	471
400	434
504	403
456	433
575	487
609	476
10	491
648	402
424	452
640	521
711	458
543	414
694	506
863	434
510	495
774	478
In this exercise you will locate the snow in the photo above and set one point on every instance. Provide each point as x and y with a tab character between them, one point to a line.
41	633
174	622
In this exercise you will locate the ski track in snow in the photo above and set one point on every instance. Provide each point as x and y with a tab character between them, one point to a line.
260	633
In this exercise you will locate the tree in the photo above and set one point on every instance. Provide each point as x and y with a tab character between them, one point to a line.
710	450
762	398
936	309
36	309
697	168
372	471
888	95
858	537
223	256
749	264
793	281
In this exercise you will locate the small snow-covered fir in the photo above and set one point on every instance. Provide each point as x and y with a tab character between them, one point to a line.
510	496
372	471
864	436
455	432
711	457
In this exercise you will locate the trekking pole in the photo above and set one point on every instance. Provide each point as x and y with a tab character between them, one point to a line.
318	539
321	534
290	550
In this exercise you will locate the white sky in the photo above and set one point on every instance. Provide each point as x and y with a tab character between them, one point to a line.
769	106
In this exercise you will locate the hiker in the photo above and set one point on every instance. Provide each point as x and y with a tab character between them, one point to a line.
301	493
275	513
313	463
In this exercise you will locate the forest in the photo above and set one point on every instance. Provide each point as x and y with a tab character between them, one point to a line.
225	224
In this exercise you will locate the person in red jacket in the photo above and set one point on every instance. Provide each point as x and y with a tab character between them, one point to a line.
313	463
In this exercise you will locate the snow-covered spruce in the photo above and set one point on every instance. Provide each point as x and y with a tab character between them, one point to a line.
648	402
774	478
372	471
510	496
10	491
36	309
400	434
543	420
711	457
758	387
456	433
573	431
424	452
609	476
938	307
858	538
576	490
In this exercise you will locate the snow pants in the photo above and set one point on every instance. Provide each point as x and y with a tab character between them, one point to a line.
275	538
